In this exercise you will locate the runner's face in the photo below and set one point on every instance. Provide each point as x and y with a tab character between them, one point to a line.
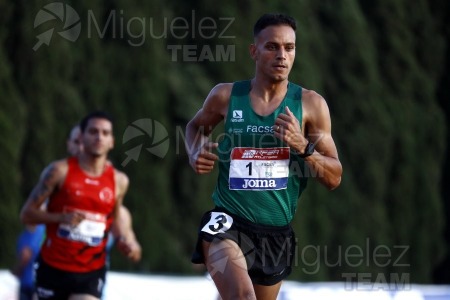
274	52
98	139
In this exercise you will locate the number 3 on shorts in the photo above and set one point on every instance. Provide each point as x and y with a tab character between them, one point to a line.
219	223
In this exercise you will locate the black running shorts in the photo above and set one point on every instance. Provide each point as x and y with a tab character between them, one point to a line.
268	250
55	284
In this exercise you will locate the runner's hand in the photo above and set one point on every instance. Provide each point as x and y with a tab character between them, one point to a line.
203	161
287	128
72	219
129	248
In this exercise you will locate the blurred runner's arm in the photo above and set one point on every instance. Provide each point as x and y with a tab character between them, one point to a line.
122	228
50	180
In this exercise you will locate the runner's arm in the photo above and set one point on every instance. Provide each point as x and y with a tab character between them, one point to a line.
324	162
198	130
33	212
121	227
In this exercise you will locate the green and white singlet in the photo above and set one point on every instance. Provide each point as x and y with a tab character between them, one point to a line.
260	178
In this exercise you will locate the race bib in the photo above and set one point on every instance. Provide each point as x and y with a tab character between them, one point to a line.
90	231
219	223
259	168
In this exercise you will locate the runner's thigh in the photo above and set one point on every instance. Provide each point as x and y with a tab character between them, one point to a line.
228	268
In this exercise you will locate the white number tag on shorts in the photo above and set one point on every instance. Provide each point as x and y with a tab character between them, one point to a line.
259	168
219	223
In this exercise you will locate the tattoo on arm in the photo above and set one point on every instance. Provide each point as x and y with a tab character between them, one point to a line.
45	186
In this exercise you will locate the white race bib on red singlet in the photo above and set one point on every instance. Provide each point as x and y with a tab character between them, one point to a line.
90	231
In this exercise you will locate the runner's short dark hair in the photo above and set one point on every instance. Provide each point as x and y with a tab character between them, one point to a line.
98	114
273	19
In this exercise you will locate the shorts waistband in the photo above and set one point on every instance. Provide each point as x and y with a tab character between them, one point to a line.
254	226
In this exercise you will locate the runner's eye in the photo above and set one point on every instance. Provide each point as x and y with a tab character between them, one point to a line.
290	48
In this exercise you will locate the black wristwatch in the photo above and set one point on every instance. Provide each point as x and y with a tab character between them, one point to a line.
309	150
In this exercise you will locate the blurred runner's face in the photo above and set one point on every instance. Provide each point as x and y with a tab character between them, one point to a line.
74	144
97	137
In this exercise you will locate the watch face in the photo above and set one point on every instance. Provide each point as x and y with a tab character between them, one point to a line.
310	148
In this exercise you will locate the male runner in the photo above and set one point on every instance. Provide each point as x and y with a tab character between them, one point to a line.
84	193
276	132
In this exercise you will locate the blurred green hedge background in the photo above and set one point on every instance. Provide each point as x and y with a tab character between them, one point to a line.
381	65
